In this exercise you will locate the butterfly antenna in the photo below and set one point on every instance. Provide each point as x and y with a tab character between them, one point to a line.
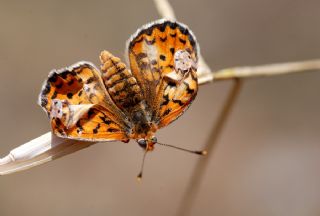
139	176
204	152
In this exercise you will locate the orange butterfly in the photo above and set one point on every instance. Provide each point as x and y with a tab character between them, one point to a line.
122	104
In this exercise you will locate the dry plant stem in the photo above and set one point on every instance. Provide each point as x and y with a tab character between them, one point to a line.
39	151
260	71
201	166
266	70
164	9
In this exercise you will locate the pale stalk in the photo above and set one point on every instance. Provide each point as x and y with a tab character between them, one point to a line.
39	151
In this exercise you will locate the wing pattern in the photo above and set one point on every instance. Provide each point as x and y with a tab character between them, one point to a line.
79	106
152	51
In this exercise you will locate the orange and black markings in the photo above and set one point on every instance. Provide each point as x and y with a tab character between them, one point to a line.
120	102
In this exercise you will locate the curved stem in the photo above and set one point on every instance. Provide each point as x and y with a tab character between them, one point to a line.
202	163
261	71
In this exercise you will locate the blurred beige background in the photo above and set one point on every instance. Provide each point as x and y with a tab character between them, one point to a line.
265	163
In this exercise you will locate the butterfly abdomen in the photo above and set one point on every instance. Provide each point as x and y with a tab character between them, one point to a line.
119	81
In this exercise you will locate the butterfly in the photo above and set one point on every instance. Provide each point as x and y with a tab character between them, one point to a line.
118	103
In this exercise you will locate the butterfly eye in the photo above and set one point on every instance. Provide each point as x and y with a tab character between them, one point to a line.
154	140
142	143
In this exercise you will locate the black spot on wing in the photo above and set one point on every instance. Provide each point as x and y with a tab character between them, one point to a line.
58	122
183	30
149	31
90	113
44	102
55	94
78	124
173	35
95	130
79	127
154	62
60	131
139	41
59	86
69	95
162	27
163	39
105	120
112	130
165	100
182	41
171	83
178	102
172	50
71	82
173	25
163	57
90	80
141	56
167	112
53	77
189	90
46	89
73	73
64	75
151	42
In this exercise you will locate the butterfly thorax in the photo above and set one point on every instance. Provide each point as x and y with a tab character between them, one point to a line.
142	126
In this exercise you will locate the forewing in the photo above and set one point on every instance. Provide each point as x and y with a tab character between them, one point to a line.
79	106
151	53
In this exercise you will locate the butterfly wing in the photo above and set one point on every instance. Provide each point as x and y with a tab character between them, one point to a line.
175	98
79	106
152	50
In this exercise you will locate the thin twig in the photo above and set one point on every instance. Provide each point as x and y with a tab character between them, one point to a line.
41	150
261	71
164	9
200	168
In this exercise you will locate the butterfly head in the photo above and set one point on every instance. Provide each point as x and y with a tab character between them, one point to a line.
147	143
